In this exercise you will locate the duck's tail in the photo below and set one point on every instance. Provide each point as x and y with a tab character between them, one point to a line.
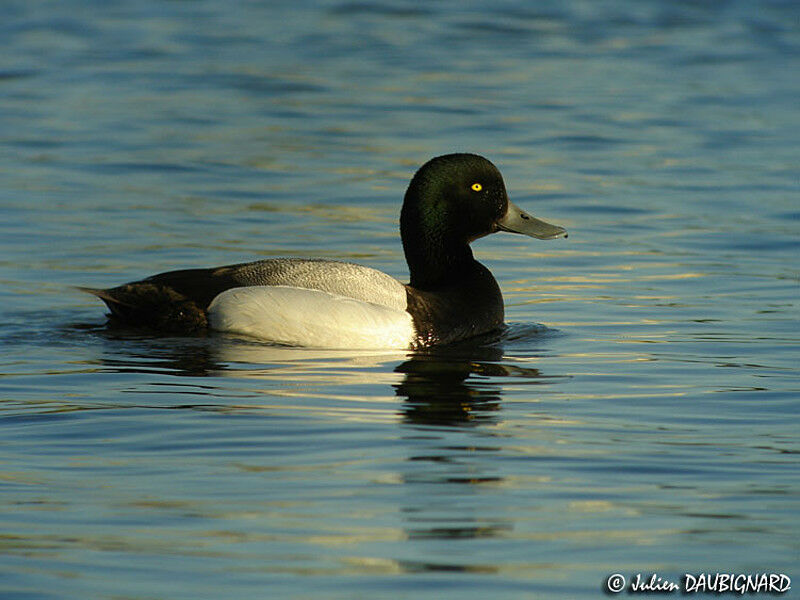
151	305
105	295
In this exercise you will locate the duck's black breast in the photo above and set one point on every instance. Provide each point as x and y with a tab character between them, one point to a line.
462	308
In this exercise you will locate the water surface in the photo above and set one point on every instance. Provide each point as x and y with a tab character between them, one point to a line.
639	415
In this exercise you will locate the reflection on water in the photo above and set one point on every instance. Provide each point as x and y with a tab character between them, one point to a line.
498	459
436	391
455	385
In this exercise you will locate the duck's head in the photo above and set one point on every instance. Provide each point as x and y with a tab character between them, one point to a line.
451	201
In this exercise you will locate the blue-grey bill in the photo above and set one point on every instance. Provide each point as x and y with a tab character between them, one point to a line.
517	220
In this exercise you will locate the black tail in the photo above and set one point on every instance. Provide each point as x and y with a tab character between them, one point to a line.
152	305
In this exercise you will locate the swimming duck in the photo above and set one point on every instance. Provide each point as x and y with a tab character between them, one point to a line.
451	201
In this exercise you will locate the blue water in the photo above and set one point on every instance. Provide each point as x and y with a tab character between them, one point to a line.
640	415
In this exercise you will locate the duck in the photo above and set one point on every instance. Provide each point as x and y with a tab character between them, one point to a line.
451	201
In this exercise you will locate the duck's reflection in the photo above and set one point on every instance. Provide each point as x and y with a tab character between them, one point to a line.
128	350
436	389
451	442
451	388
458	385
454	386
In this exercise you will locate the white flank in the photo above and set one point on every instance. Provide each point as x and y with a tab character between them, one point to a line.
311	318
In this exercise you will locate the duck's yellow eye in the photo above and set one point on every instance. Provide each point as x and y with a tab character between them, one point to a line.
477	187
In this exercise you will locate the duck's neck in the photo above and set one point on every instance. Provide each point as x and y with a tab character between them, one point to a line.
432	268
435	259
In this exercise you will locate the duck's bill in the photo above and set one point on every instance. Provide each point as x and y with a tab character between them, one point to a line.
517	220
